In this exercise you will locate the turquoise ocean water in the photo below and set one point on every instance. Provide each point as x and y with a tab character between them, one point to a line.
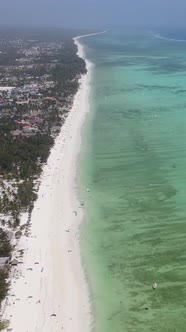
133	161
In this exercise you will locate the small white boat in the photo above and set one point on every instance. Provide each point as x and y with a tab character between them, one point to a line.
154	285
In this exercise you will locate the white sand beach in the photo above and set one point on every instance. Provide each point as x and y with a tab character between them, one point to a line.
48	291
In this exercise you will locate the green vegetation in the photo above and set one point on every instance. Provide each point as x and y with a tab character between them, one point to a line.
69	65
26	193
5	247
5	251
19	160
3	325
3	284
19	156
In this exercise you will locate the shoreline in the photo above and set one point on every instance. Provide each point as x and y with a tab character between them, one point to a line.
48	289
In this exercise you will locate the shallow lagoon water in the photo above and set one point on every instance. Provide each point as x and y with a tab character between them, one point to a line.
134	163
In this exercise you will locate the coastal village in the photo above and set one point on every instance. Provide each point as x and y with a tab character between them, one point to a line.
38	80
30	108
28	99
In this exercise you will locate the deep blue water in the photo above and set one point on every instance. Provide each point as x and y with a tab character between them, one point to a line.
172	33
